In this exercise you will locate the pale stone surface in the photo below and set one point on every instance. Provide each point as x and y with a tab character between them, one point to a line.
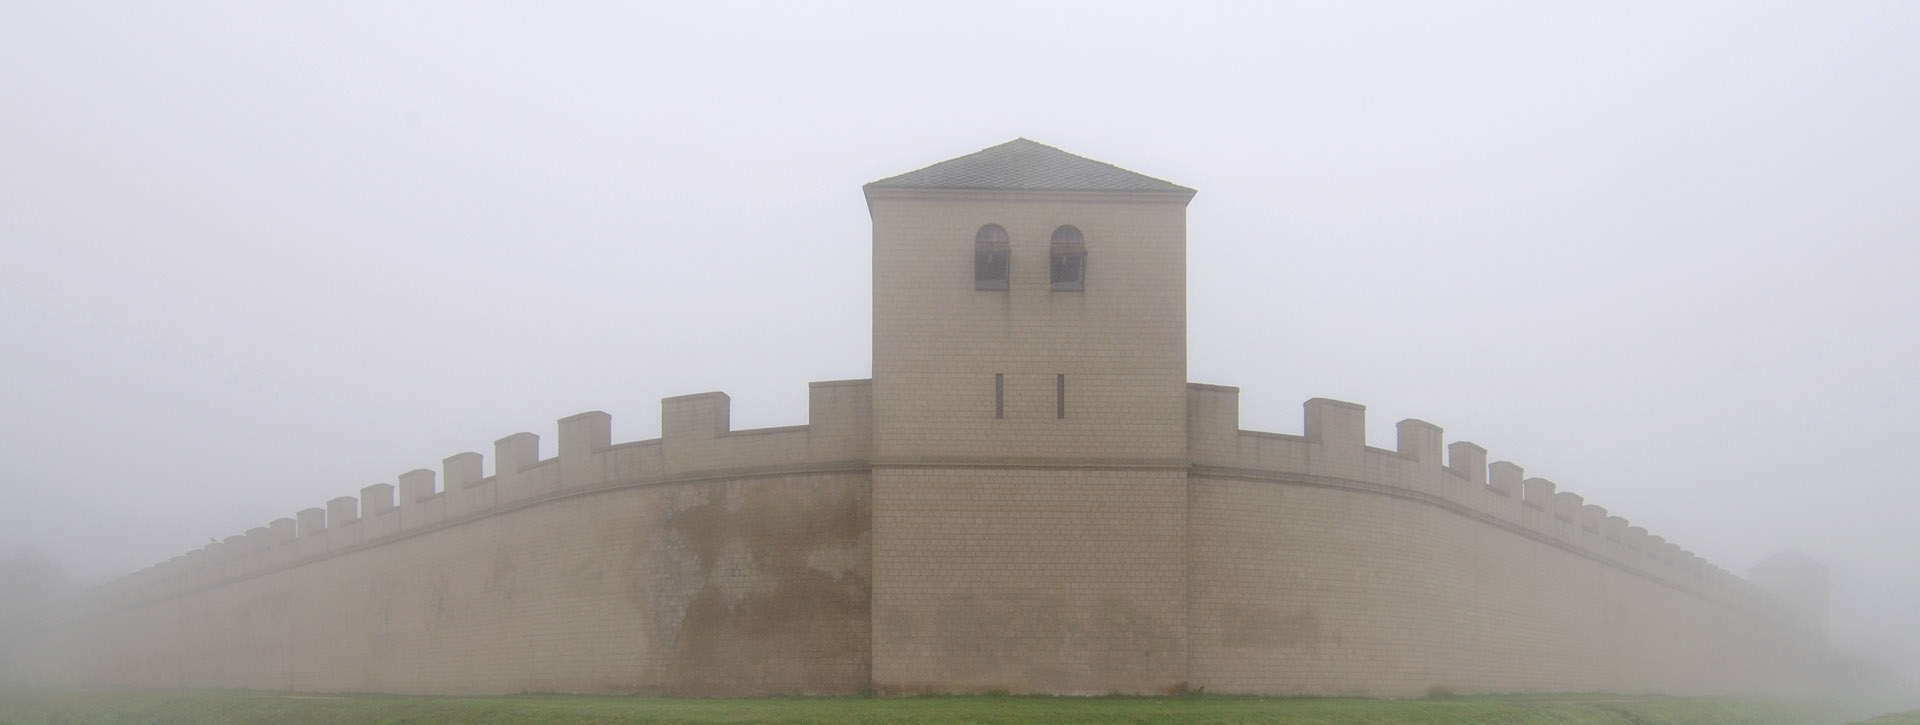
908	539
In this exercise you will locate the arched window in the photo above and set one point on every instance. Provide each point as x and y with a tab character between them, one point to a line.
1069	259
991	257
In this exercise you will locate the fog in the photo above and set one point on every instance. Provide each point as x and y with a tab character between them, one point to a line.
257	256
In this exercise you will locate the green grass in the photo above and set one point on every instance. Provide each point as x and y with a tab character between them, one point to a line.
36	707
1901	718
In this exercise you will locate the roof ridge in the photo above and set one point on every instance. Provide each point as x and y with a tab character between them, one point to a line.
1024	164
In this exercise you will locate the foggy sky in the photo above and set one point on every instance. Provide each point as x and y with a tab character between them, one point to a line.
257	256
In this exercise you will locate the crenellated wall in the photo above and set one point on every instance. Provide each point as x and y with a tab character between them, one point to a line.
707	561
1322	565
1029	497
714	561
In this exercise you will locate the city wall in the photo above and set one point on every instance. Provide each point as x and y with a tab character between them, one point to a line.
707	561
1321	565
720	562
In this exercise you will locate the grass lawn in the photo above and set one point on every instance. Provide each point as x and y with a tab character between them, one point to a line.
1904	718
34	707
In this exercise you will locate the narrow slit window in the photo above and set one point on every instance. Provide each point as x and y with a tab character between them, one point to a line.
1069	259
1060	396
999	395
992	258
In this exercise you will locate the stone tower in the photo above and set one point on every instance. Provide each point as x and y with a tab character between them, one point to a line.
1030	426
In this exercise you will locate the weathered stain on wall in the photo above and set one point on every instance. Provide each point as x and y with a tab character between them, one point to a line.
784	592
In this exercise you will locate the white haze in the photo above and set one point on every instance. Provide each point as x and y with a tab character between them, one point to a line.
254	256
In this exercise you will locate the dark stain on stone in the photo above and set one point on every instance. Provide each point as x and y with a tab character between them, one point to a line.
504	579
1133	646
439	598
781	624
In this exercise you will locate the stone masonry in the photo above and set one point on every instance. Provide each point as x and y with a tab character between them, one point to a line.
1028	496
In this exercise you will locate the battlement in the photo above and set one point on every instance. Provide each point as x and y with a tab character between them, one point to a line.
696	443
1039	518
1457	476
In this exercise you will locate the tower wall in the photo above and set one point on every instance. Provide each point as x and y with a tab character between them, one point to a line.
938	342
1029	552
1022	579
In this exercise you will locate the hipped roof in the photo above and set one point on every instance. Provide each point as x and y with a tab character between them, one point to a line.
1023	165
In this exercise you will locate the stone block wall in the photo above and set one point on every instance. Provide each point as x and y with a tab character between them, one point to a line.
709	561
1023	579
788	560
1323	566
938	342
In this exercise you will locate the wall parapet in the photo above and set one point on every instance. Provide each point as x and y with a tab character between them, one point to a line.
1334	446
696	442
697	439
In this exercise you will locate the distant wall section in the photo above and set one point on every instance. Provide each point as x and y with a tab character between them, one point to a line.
1322	566
707	562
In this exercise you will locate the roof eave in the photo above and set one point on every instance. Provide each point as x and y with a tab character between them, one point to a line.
1178	195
